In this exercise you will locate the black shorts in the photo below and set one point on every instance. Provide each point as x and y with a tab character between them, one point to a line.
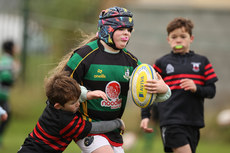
174	136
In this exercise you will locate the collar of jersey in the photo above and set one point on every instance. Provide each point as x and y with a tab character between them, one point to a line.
111	52
186	54
106	50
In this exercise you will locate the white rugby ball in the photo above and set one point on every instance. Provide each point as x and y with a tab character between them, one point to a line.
139	76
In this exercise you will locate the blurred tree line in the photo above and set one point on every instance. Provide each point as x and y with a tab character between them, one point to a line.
63	22
55	27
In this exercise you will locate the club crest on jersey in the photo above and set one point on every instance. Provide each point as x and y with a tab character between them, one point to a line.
126	76
169	69
112	90
196	66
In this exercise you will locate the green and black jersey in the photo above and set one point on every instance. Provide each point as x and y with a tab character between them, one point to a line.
6	77
96	69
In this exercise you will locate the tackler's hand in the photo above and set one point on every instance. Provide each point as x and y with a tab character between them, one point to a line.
96	94
122	126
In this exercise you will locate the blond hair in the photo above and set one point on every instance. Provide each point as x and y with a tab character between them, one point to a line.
61	65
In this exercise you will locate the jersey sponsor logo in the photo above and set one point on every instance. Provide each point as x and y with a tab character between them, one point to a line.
126	76
100	74
141	93
113	90
169	69
196	66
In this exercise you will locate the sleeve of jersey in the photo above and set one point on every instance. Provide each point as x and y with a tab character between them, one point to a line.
145	112
209	73
2	111
75	67
77	128
165	96
6	77
157	66
208	90
84	130
137	61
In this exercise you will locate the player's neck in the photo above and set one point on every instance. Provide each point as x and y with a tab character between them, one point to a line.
108	48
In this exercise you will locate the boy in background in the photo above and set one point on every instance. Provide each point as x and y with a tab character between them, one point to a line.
61	121
9	69
191	79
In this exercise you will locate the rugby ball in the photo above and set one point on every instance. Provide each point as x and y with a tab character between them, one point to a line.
138	78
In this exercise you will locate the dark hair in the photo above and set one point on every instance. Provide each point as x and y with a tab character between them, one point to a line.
179	23
8	47
60	88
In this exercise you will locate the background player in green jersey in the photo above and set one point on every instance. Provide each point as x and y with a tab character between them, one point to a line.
9	69
103	66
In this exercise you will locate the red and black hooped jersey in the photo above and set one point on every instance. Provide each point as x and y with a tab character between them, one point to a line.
54	131
185	107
